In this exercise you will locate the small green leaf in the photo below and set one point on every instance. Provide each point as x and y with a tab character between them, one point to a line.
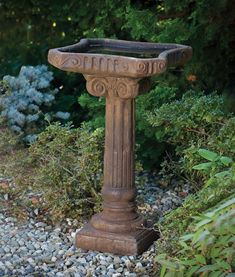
187	237
200	235
203	166
224	265
192	270
222	174
207	268
184	245
208	155
189	262
168	264
215	252
163	271
203	222
232	240
160	257
216	274
228	203
201	259
226	160
180	274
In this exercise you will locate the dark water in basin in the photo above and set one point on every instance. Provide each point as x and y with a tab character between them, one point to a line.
124	53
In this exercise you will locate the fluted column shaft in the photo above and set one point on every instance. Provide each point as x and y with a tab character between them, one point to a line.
119	142
119	192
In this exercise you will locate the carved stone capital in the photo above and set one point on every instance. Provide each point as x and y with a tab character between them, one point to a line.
122	87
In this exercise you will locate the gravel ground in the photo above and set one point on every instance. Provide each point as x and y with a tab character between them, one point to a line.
36	249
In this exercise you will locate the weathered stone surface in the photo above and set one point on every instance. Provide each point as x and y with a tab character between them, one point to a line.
120	79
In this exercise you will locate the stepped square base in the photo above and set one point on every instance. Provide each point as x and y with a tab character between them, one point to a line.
133	243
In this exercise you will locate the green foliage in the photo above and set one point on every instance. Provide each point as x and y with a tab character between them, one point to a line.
66	160
64	166
164	120
208	250
8	141
95	110
217	167
69	168
192	118
195	121
204	132
150	150
208	237
47	23
175	223
221	141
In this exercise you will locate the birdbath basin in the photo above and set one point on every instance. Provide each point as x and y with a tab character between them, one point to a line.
119	71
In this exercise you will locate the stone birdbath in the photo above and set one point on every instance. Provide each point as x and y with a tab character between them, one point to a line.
119	71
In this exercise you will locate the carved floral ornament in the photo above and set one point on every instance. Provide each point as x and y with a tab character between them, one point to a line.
122	87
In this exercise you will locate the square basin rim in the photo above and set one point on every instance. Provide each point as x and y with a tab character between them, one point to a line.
105	42
56	51
122	46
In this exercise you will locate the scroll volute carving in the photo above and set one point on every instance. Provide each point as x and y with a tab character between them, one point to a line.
122	87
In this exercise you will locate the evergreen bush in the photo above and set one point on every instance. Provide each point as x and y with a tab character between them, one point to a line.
25	101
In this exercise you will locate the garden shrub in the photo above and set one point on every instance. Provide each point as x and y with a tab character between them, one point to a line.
9	142
25	101
195	121
176	222
202	130
208	248
68	167
219	179
192	118
64	165
218	184
150	150
221	141
95	110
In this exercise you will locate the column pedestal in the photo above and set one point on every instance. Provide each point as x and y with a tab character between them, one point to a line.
131	243
118	228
